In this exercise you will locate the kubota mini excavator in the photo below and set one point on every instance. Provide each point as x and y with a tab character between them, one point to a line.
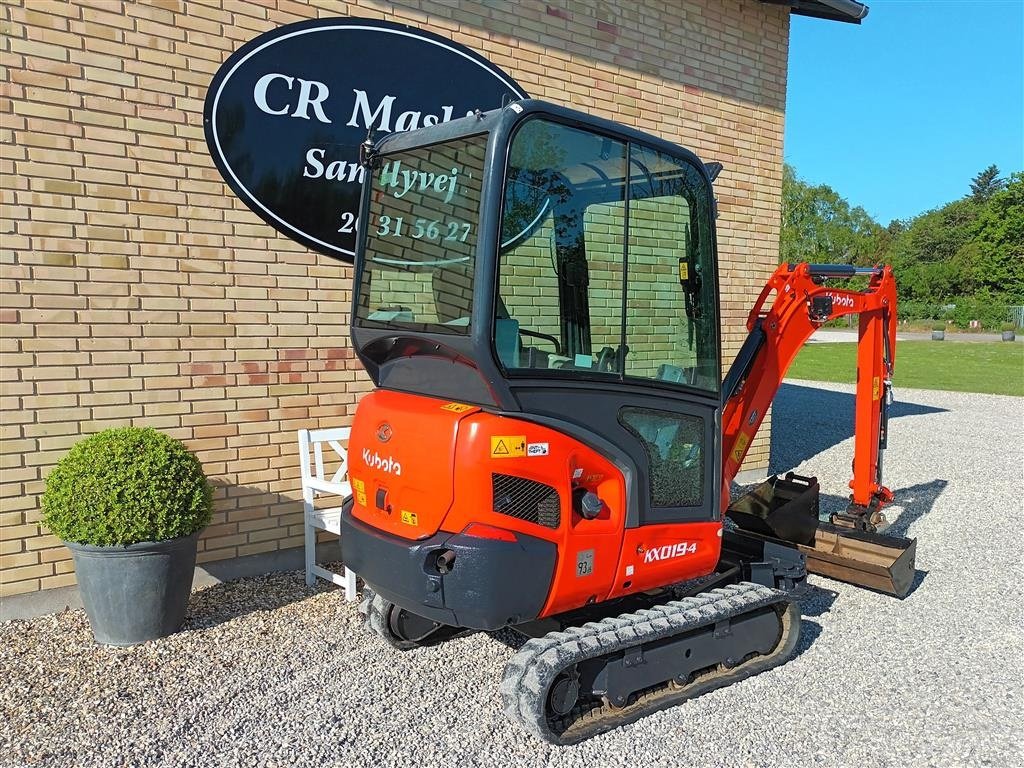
550	444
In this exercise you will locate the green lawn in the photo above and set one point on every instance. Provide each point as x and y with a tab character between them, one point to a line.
996	368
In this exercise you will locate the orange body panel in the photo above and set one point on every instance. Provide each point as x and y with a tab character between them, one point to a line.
557	459
403	446
447	454
656	555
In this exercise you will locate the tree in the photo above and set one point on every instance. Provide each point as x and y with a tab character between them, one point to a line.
986	184
818	225
963	260
998	242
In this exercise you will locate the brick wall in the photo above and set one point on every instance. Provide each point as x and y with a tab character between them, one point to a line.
137	289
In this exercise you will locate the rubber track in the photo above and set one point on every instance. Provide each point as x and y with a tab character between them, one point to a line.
374	609
530	673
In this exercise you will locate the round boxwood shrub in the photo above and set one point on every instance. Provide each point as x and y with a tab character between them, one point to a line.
126	485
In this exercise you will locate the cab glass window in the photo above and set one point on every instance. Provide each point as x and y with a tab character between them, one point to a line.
560	257
422	237
674	443
670	298
605	264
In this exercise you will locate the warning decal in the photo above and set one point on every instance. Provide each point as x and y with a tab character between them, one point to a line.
508	446
457	407
360	488
409	518
741	446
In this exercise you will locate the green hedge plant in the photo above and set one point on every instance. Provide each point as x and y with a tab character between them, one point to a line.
126	485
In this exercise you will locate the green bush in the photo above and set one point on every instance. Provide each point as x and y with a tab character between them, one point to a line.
1007	327
126	485
938	326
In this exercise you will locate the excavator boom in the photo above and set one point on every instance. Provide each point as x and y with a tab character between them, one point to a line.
803	302
850	548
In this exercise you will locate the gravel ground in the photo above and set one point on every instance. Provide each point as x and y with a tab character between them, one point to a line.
270	673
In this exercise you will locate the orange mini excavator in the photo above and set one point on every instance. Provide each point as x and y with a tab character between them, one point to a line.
550	444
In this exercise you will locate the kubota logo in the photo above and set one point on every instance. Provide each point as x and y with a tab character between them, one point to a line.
669	551
376	461
841	301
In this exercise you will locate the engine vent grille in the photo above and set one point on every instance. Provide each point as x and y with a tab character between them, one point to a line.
526	500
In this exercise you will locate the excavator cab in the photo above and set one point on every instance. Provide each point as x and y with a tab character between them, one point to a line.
538	262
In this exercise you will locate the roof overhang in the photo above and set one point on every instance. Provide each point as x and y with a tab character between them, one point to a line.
834	10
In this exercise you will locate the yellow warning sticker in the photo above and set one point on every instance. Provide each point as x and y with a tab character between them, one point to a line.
876	388
741	446
456	407
684	271
409	518
360	488
508	446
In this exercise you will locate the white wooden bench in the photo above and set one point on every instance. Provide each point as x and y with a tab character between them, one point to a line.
316	483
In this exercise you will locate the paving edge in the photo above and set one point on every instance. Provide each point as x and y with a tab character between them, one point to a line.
751	476
48	601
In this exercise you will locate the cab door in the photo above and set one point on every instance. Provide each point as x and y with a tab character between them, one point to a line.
606	319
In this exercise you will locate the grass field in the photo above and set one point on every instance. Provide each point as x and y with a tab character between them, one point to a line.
996	368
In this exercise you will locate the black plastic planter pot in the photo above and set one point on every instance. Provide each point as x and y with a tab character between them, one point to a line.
136	593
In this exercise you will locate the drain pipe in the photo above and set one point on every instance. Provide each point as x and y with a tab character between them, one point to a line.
855	10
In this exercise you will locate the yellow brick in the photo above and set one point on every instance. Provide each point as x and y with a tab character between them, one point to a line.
12	588
40	50
63	580
27	572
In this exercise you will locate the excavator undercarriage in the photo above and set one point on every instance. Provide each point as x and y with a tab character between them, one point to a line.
570	685
588	671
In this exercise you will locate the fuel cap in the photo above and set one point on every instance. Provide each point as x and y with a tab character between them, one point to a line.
590	505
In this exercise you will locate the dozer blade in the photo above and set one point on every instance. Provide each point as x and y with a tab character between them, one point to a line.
785	511
870	560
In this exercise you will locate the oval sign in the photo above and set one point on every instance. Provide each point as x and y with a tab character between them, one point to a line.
286	113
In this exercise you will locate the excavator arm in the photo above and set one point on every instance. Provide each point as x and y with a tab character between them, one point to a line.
803	301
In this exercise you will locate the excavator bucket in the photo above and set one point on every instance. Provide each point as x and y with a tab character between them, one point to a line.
785	511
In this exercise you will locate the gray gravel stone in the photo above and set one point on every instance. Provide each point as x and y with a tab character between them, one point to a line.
268	672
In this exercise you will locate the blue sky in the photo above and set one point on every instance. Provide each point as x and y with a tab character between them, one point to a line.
899	113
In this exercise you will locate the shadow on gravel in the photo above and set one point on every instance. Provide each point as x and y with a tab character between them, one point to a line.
808	420
816	601
809	632
509	638
221	603
919	577
915	501
256	582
